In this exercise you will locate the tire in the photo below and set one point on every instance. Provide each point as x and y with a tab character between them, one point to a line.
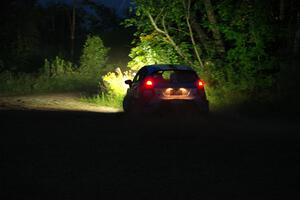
130	106
203	110
127	104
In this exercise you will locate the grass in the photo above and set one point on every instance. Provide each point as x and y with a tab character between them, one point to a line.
24	84
104	100
34	84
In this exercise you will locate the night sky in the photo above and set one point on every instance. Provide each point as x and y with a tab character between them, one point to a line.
119	5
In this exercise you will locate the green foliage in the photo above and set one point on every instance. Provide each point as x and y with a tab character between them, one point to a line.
15	84
232	76
57	75
62	75
113	89
105	99
114	82
58	67
94	56
152	49
246	32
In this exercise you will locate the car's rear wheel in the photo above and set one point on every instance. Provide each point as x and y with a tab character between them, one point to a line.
131	106
203	110
127	104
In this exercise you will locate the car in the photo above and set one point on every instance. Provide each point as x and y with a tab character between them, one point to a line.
165	87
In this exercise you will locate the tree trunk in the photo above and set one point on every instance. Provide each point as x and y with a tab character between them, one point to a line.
188	6
212	20
201	35
72	32
166	34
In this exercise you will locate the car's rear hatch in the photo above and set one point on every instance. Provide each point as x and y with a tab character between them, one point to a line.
175	84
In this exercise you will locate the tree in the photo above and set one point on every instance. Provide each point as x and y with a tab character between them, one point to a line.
73	28
101	18
19	35
214	25
152	49
93	57
63	30
226	41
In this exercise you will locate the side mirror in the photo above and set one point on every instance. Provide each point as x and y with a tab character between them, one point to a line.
128	82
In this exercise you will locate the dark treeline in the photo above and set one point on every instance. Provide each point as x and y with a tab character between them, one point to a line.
284	18
286	46
31	32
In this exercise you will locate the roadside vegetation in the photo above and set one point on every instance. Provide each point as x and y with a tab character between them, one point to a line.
60	75
245	51
56	47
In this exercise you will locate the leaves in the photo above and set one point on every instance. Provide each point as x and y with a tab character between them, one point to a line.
152	49
244	30
93	57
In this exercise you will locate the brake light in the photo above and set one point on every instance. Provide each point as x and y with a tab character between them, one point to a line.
200	84
148	83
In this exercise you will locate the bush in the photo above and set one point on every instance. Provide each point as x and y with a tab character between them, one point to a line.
94	57
114	82
113	89
59	74
58	67
20	84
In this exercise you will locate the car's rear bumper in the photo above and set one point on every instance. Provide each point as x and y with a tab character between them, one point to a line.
177	104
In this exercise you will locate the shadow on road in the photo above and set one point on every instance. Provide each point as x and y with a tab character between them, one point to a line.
82	155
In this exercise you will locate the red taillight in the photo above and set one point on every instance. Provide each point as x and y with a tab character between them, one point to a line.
200	84
148	83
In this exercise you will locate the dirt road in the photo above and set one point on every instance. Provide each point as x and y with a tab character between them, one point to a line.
60	101
99	155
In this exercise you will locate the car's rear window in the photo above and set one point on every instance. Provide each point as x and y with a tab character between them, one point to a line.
175	76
